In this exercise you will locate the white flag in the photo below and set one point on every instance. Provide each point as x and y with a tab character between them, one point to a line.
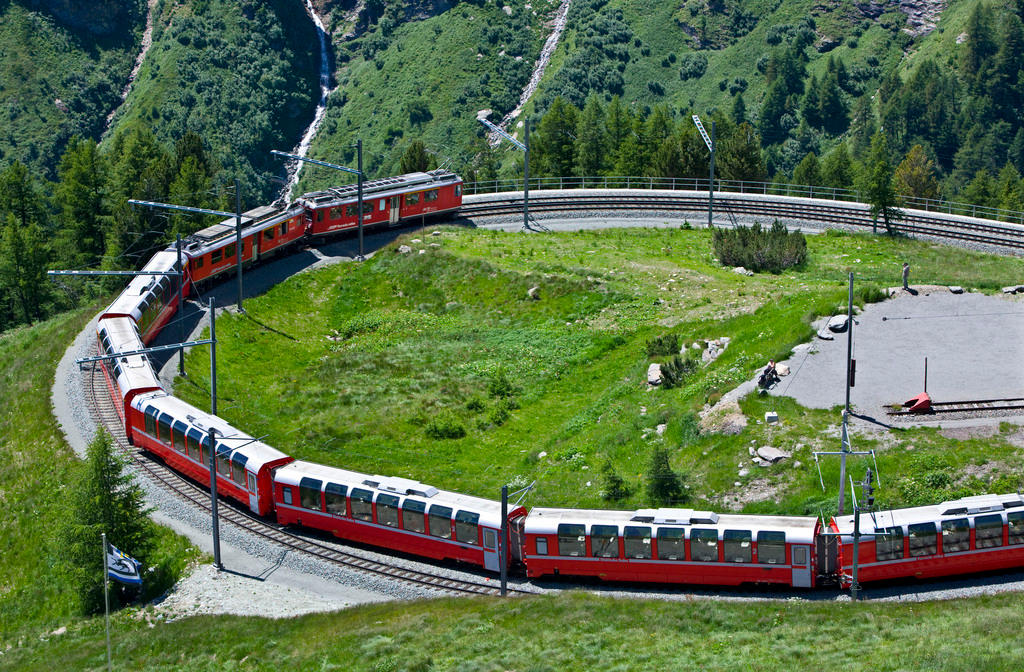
123	568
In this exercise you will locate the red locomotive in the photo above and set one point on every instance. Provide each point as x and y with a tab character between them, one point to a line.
648	545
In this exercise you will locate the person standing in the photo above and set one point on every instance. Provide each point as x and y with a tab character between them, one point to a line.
906	275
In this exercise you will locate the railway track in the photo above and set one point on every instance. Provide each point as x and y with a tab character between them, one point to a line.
973	406
195	495
914	222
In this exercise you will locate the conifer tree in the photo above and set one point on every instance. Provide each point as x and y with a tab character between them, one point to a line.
836	170
664	487
591	141
915	176
877	184
104	499
808	171
82	193
23	261
415	158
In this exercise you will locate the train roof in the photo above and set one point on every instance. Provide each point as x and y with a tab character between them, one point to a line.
223	233
130	298
386	186
956	508
798	529
229	439
135	373
121	333
489	510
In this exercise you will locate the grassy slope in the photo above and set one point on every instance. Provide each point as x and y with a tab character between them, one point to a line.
567	632
42	61
378	352
39	466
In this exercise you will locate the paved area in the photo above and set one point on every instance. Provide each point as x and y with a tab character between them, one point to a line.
974	345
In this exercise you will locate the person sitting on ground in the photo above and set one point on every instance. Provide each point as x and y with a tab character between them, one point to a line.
769	376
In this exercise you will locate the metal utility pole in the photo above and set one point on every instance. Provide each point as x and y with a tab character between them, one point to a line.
238	242
710	142
213	358
359	183
213	499
502	543
106	596
181	308
525	148
219	213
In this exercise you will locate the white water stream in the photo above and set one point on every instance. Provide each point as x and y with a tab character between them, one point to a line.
321	109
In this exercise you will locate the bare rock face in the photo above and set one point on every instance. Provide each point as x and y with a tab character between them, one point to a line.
725	417
99	17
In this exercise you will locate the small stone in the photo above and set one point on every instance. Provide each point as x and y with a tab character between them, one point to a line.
737	484
416	240
654	374
542	454
533	292
435	233
798	464
954	289
837	324
404	249
744	472
423	251
770	454
660	429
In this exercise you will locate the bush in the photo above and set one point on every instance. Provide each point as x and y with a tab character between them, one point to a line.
499	385
663	345
614	487
692	66
664	486
758	249
676	370
445	425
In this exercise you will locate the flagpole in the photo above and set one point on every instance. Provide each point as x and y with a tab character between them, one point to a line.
106	597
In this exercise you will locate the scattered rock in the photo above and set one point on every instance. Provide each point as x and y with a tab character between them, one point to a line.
61	630
404	249
435	233
725	417
744	472
423	251
435	244
533	293
782	369
761	463
954	289
541	455
1014	289
797	464
654	374
660	429
837	324
771	417
771	455
739	270
751	451
416	240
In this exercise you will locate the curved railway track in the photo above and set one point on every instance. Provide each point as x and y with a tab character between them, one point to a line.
194	495
914	222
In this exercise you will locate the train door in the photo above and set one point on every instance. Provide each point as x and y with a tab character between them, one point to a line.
394	216
254	499
491	549
801	565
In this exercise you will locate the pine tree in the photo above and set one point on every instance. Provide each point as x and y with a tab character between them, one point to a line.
555	138
774	107
877	183
415	158
836	170
808	171
738	156
19	196
664	486
915	176
1010	189
981	190
739	110
979	46
618	125
83	198
104	499
23	262
614	488
591	140
833	112
810	110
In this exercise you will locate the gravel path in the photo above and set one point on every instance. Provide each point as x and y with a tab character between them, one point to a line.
263	579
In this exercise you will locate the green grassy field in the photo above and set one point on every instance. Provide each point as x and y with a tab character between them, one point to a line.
438	367
572	631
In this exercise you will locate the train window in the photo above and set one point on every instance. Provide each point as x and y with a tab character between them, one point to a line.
491	540
458	190
362	504
223	465
383	204
736	545
319	215
466	529
150	424
206	452
988	531
440	520
889	544
671	543
350	210
799	555
956	535
430	196
252	482
238	471
572	540
412	515
923	539
336	212
387	510
1016	524
178	436
165	428
309	494
286	495
229	251
284	228
334	495
542	545
199	262
604	541
771	548
192	447
412	199
216	256
637	542
268	234
704	545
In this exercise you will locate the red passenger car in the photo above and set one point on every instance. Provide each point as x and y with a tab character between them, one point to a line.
179	433
388	201
126	377
393	513
150	300
973	534
672	546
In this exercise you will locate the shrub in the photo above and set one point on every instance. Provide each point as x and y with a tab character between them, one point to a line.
499	385
445	425
758	249
663	345
676	370
692	66
614	487
664	486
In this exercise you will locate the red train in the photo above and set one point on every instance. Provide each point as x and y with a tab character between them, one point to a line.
673	546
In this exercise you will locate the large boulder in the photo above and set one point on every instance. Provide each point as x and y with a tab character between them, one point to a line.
654	374
770	454
837	324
